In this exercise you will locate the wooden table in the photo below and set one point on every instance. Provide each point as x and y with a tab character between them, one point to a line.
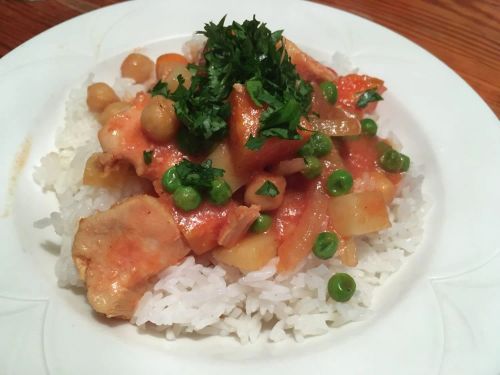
465	34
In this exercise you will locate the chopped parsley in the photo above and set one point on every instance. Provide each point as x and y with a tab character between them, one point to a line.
255	143
268	189
147	156
160	89
247	53
199	176
368	96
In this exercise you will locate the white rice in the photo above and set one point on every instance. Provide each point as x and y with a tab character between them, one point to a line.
192	298
61	172
219	300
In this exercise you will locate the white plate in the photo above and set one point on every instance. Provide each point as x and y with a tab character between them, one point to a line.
439	314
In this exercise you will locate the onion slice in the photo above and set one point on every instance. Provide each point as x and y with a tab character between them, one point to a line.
291	166
338	123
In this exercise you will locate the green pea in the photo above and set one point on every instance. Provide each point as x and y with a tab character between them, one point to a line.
329	90
382	147
187	198
325	245
307	149
318	145
390	160
261	224
394	162
313	167
220	192
170	180
322	144
341	287
405	164
369	127
339	183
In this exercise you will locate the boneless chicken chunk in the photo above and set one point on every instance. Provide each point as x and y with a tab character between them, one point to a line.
238	222
124	138
119	253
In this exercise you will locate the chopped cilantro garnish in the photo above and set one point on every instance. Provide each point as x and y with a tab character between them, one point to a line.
160	89
147	156
268	189
202	113
368	96
259	95
247	53
255	143
199	176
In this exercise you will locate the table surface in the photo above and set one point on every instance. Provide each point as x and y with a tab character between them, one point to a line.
465	34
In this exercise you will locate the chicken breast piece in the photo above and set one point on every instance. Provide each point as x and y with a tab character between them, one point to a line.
123	138
119	253
239	220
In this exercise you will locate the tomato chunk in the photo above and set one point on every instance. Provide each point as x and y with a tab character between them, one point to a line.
201	227
308	68
244	122
351	86
360	155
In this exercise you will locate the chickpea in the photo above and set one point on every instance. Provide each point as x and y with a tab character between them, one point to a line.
165	63
164	69
158	119
171	78
138	67
266	202
111	110
99	96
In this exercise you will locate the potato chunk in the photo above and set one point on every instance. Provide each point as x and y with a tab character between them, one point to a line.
221	158
376	181
250	254
102	170
359	213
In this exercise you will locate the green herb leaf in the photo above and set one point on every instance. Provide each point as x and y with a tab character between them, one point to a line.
255	143
244	53
259	95
247	53
160	89
287	116
147	156
368	96
255	90
268	189
280	133
199	176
